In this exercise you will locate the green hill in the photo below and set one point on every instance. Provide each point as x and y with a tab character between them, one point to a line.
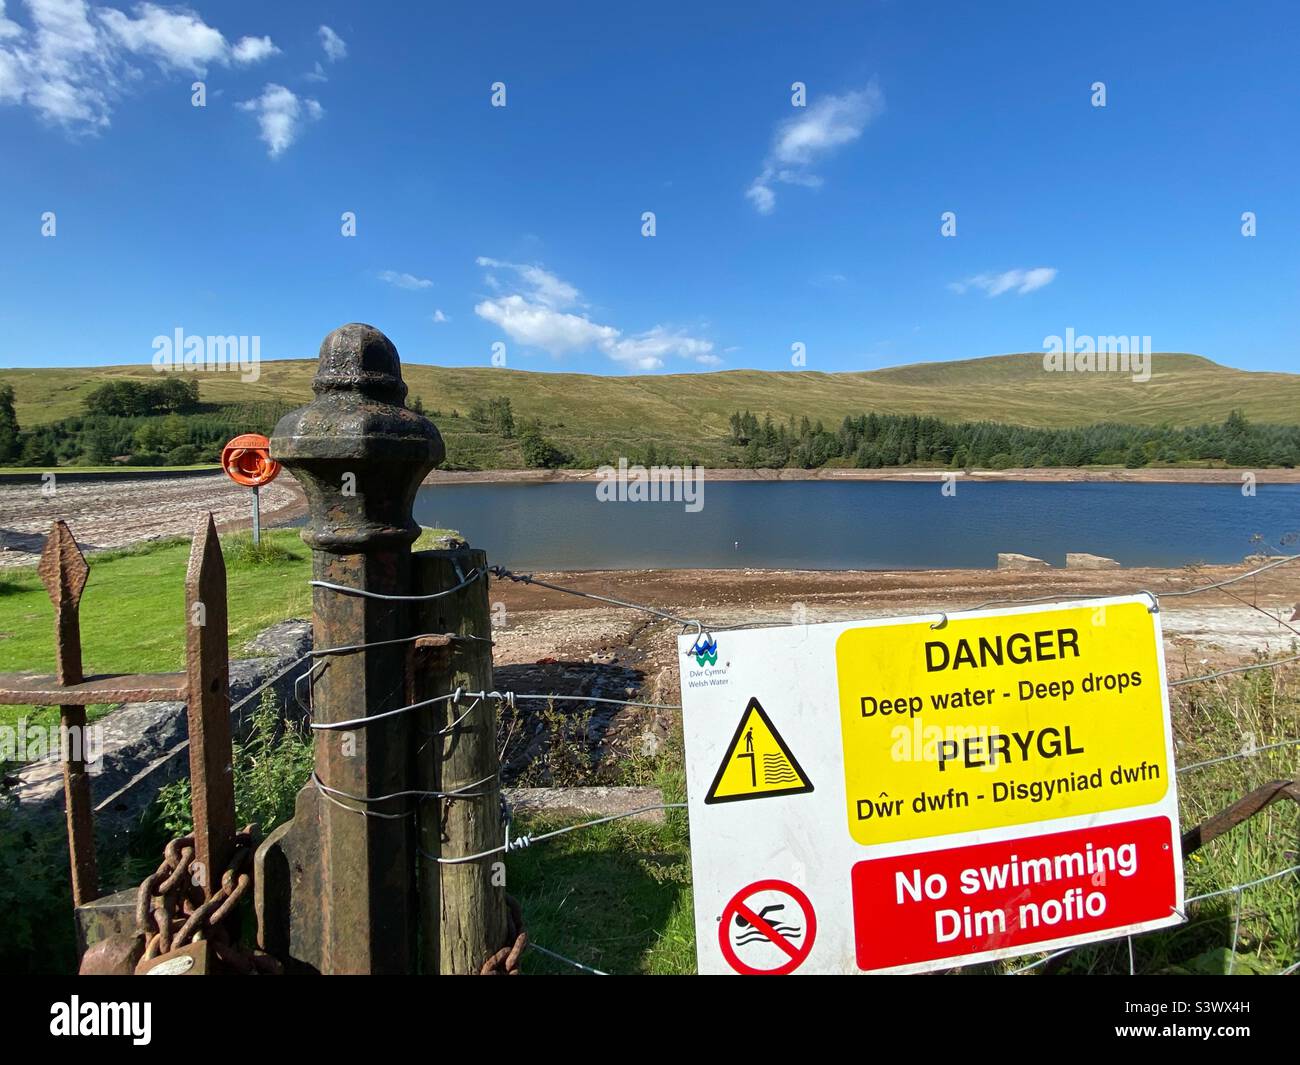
688	412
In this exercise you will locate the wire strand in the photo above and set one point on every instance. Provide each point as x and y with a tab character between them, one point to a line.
527	578
1239	754
567	961
1235	669
364	722
520	842
343	589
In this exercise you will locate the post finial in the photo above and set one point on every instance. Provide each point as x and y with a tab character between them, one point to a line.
356	449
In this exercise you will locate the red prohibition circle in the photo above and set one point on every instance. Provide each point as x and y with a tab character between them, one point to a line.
797	955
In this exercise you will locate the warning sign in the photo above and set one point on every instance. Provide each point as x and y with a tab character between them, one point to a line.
757	762
767	929
1000	721
989	784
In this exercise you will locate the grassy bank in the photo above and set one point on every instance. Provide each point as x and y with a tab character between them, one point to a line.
133	608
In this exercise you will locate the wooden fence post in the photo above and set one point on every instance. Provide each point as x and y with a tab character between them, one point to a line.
335	887
465	902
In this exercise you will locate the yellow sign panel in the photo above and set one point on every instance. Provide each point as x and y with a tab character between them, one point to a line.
758	763
1001	720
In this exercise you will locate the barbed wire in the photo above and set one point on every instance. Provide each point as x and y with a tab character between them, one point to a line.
527	840
1233	580
1242	887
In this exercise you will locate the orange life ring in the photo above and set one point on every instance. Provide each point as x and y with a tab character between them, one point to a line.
247	460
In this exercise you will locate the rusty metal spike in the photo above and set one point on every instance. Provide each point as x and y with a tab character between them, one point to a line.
207	665
63	568
64	571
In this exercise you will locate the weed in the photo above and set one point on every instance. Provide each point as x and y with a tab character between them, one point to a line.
271	766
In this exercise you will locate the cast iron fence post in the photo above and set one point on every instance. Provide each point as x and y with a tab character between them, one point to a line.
335	887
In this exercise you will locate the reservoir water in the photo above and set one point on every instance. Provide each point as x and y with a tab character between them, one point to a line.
863	524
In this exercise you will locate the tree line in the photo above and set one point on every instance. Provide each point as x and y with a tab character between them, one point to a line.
158	426
873	441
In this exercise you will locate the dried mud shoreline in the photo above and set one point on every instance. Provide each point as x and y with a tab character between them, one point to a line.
575	644
120	512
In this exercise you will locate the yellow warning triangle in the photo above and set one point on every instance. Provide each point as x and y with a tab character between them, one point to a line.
758	763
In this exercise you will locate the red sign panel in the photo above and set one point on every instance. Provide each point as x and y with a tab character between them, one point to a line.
1065	887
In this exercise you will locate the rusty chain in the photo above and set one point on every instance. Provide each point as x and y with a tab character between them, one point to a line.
505	962
171	912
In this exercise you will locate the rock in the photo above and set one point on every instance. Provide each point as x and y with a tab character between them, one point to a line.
1083	560
1010	560
580	803
141	746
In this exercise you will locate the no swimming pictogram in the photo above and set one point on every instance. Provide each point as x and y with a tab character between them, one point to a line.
767	929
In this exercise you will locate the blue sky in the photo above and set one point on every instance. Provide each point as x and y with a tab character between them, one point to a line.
775	225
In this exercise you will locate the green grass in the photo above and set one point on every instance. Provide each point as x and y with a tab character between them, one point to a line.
133	610
616	897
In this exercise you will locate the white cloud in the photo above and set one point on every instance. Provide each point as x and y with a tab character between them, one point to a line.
317	73
546	287
253	50
409	281
1020	282
541	317
649	349
439	317
280	113
762	197
538	326
335	47
810	137
74	62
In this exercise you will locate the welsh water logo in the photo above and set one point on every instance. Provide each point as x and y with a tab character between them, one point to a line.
705	650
